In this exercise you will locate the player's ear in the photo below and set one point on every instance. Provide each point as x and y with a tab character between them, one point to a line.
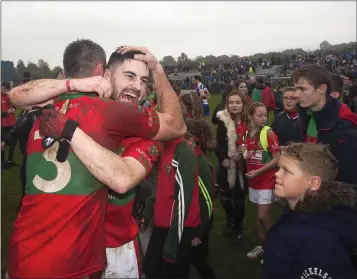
107	75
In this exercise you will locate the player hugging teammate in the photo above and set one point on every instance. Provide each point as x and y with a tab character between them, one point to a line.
61	230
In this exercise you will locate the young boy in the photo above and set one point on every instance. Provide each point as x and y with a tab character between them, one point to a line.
317	236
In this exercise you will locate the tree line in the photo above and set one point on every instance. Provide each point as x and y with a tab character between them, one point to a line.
37	71
43	70
277	58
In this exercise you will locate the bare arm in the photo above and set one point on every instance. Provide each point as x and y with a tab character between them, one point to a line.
36	92
172	124
203	95
119	174
41	92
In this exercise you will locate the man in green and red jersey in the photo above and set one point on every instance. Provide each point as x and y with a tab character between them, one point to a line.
176	213
121	227
59	232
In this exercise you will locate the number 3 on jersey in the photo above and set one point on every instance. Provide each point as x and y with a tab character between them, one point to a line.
63	171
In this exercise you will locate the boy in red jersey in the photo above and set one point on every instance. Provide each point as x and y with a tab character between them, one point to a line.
73	233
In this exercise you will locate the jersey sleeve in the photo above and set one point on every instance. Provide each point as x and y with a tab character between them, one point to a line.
273	142
185	163
146	152
130	120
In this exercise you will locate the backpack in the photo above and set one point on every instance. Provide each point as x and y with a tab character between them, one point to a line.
263	137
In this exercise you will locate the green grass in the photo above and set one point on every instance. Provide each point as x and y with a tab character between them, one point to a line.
227	257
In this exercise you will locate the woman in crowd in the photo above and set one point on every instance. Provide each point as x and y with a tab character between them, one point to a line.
231	180
261	149
242	87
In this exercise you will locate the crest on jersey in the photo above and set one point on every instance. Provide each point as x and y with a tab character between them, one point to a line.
153	151
121	150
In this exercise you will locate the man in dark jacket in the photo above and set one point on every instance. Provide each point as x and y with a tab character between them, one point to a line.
325	120
316	237
20	132
8	120
285	123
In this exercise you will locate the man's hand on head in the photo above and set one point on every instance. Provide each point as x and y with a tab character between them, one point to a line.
146	56
96	84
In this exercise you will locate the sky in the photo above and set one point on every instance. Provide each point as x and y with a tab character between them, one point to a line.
35	30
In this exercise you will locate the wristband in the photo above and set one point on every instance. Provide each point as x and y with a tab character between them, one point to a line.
68	129
68	85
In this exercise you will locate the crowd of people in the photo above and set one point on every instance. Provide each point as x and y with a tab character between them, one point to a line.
340	63
116	182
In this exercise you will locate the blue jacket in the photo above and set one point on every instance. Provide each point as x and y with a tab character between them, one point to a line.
315	240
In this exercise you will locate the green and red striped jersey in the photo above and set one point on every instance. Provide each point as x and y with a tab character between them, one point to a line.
120	225
59	232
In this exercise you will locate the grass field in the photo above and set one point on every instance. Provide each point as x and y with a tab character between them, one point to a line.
227	257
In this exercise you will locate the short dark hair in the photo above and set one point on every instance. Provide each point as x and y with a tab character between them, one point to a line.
337	84
6	84
198	78
81	57
118	58
26	76
260	79
316	75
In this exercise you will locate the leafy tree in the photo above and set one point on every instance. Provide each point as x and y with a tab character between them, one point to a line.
169	61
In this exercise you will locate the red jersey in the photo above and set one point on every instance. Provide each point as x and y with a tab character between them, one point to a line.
241	131
120	225
10	119
177	194
59	232
257	157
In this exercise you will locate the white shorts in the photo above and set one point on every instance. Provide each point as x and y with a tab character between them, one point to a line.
261	196
122	262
